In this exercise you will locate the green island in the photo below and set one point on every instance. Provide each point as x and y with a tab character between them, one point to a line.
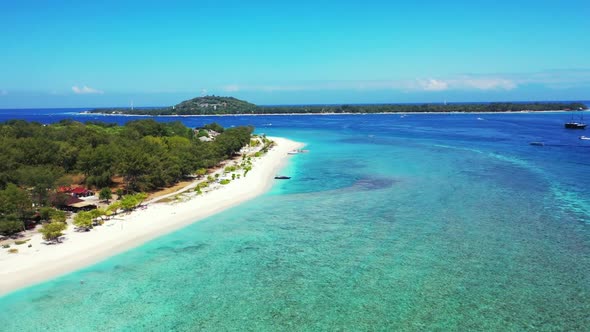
214	105
44	167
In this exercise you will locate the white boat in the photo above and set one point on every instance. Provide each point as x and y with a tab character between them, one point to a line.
585	138
293	152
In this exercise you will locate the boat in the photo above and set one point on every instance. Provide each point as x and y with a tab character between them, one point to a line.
585	138
293	152
576	125
538	143
282	177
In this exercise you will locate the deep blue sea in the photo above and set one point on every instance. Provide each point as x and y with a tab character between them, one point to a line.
424	222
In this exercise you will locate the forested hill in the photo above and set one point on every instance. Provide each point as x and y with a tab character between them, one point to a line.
207	105
212	105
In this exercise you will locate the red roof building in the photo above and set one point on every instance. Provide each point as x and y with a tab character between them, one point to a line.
64	189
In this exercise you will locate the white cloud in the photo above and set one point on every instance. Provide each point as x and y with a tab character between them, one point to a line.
429	84
86	90
489	83
465	82
433	85
554	79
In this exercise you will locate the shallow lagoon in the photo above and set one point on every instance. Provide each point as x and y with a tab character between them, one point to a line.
423	222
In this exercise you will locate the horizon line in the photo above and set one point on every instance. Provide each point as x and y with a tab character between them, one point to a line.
322	104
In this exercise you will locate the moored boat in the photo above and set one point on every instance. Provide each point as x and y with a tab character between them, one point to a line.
282	177
575	124
585	138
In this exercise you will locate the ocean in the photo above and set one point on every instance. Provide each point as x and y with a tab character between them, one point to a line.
420	222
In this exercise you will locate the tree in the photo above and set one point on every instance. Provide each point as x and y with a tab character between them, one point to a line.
105	194
129	202
214	126
53	231
50	214
114	207
98	214
201	172
83	220
10	225
39	178
45	213
15	201
141	197
58	216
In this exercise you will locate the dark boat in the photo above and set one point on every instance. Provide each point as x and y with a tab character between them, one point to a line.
538	143
576	125
282	177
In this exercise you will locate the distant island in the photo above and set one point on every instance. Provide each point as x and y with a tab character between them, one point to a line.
214	105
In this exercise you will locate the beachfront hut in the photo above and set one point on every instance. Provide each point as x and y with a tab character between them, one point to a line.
70	203
82	206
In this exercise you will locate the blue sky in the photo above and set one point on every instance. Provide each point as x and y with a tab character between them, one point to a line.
109	53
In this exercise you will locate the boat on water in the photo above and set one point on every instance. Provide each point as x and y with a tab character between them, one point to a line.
538	143
576	124
585	138
297	151
282	177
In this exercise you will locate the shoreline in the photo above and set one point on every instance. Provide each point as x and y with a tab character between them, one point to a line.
302	114
126	231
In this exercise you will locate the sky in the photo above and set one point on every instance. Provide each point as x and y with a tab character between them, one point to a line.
156	53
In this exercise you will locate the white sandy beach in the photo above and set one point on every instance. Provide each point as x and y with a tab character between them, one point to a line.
42	262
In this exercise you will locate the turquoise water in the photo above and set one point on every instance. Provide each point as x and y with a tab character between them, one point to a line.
413	224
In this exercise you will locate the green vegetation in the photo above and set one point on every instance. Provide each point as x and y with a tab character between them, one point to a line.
13	251
229	169
83	220
15	208
196	106
18	243
105	194
130	202
213	126
86	220
147	155
225	181
422	108
57	216
201	172
53	231
229	105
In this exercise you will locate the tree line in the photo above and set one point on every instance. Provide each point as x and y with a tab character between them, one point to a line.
229	105
144	155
